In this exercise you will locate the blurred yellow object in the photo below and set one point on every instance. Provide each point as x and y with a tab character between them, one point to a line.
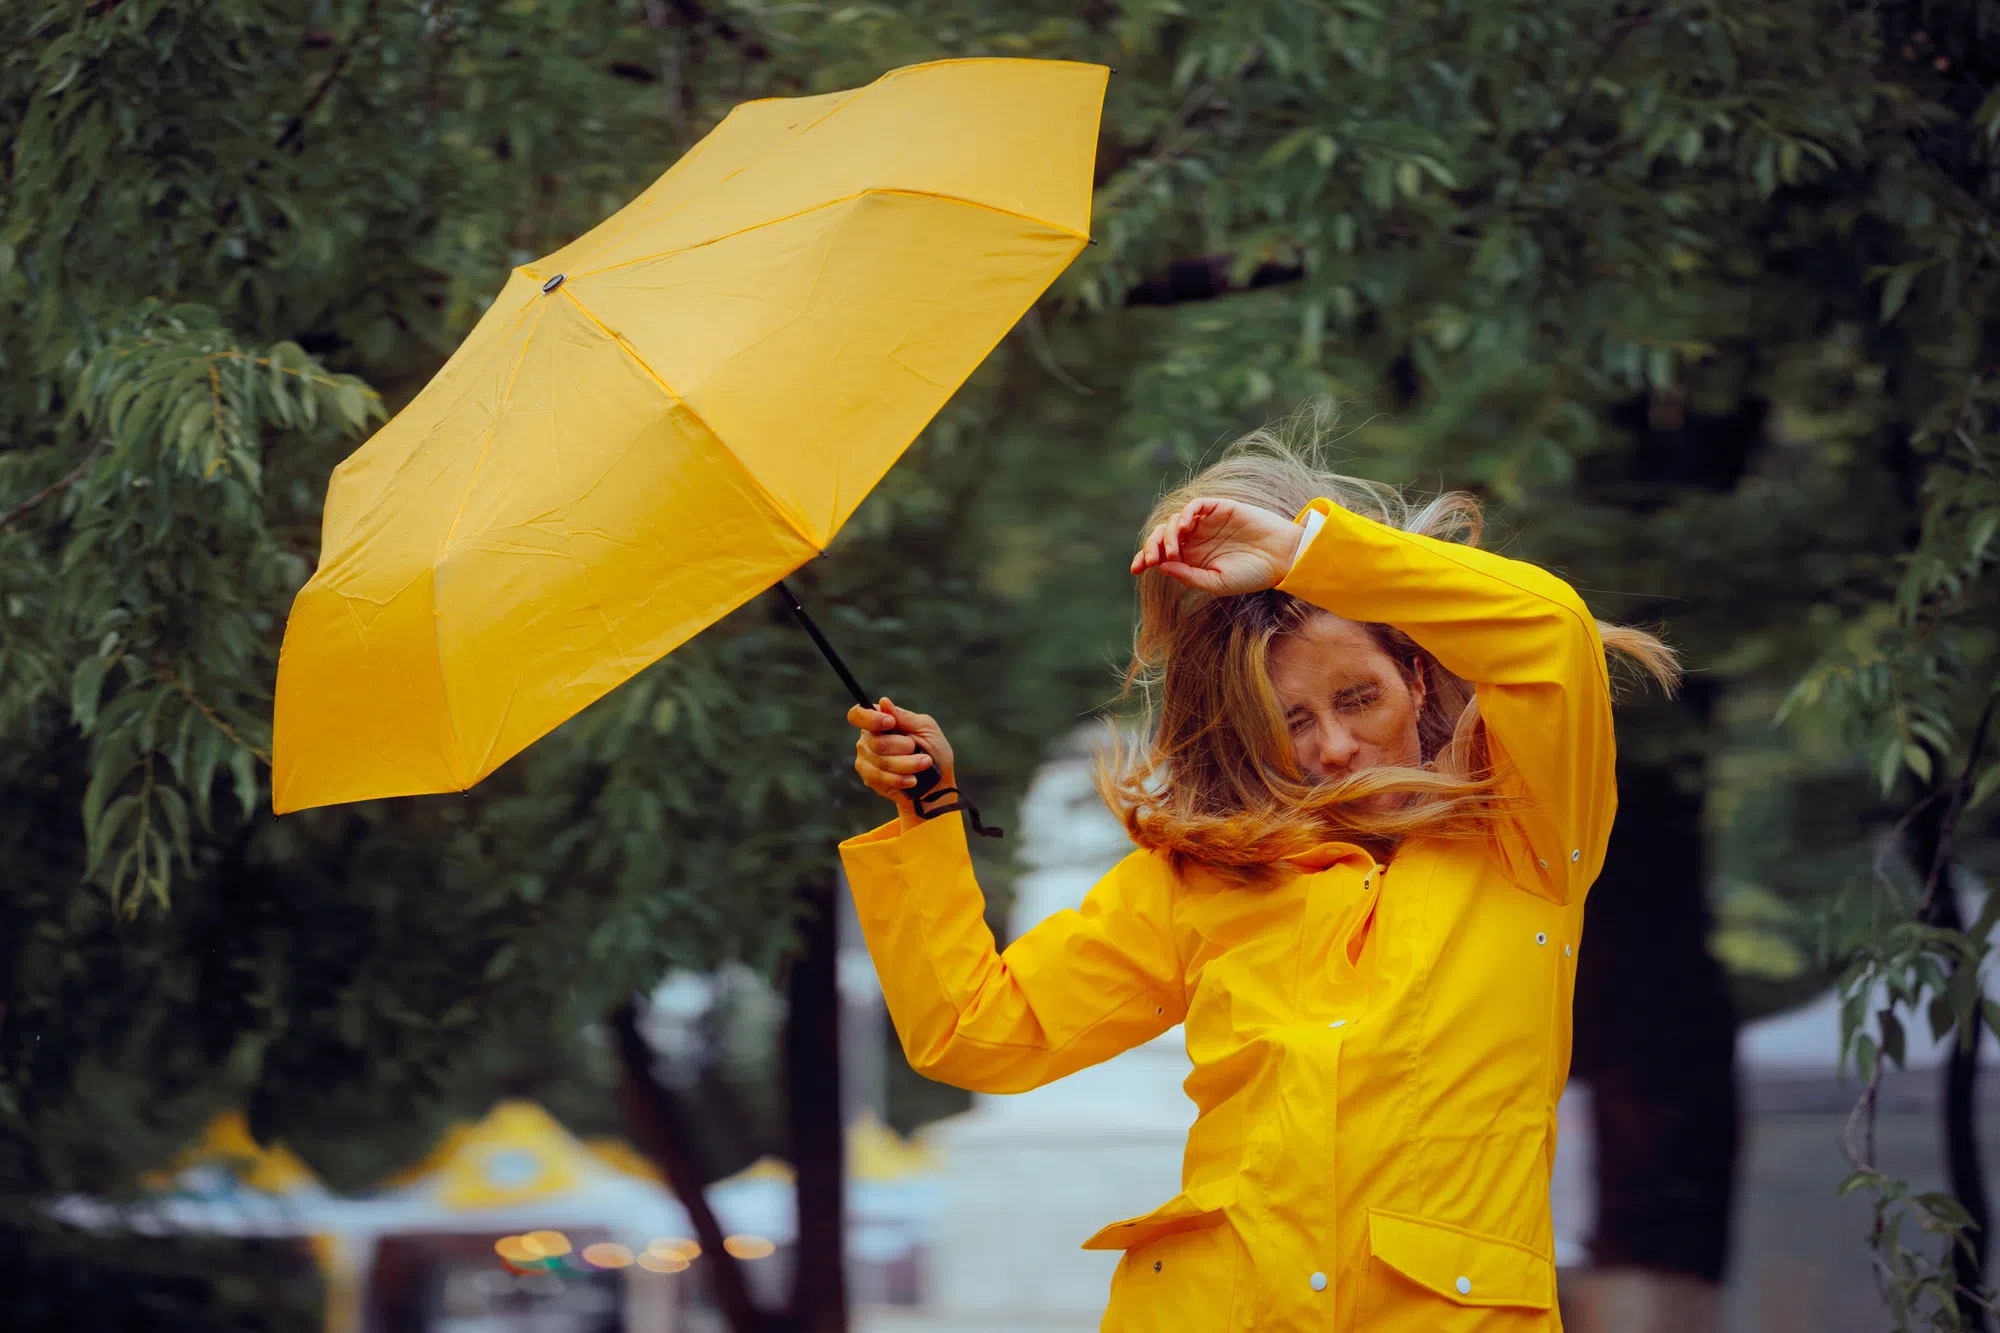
749	1247
516	1249
660	420
876	1152
227	1143
433	1161
548	1244
517	1154
686	1249
661	1261
607	1254
764	1168
623	1158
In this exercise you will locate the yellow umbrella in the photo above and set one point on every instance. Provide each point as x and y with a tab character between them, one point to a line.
663	418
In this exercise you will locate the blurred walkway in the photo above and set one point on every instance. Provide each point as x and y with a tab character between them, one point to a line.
1801	1265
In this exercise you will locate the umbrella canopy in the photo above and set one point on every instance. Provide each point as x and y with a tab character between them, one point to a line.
663	418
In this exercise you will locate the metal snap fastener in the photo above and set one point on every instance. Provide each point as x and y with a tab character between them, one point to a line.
1464	1286
1317	1281
1576	855
1541	937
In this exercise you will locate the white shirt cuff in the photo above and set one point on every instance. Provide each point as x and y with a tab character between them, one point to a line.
1313	521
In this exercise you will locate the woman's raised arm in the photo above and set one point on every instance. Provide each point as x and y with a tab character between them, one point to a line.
1530	647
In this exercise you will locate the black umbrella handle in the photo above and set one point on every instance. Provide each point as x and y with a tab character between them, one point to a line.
926	787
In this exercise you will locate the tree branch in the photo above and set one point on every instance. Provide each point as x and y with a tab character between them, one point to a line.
55	488
1204	279
656	1120
292	136
1960	789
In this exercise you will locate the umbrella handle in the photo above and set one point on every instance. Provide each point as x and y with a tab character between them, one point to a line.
925	788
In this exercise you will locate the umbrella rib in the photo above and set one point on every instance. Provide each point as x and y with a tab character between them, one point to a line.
694	154
777	507
485	447
826	204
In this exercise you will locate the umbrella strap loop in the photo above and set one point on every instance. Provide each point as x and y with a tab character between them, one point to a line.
979	826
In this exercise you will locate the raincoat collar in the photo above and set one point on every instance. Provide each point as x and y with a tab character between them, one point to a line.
1325	855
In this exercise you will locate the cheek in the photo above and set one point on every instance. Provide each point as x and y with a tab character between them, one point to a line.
1392	731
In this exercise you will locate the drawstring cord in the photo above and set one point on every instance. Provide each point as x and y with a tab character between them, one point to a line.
979	826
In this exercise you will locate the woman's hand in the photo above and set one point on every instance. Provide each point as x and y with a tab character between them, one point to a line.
1223	547
888	764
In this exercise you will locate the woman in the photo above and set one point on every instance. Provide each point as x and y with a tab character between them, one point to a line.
1378	786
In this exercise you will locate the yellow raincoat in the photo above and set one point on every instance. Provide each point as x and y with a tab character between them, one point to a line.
1378	1049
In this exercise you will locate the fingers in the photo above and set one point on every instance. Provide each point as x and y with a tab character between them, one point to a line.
1155	549
1163	545
1179	526
871	719
887	775
1193	576
887	754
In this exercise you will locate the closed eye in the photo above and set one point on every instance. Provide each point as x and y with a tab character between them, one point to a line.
1365	696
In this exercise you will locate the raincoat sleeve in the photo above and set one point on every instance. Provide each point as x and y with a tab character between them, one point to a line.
1080	987
1529	646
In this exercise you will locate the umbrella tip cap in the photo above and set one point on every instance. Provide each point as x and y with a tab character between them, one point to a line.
553	283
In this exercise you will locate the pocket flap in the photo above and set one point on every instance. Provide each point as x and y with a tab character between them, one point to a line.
1190	1210
1464	1267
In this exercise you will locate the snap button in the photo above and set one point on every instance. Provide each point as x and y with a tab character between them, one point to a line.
1464	1286
1565	951
1541	937
1159	1009
1576	855
1318	1281
1338	1023
1540	862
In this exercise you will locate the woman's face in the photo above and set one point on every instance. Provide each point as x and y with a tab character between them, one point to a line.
1348	705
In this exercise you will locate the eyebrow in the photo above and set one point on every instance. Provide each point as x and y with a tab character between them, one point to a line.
1344	692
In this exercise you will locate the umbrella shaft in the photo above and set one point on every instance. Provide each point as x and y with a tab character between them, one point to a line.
826	649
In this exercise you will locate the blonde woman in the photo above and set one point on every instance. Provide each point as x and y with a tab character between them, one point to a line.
1378	785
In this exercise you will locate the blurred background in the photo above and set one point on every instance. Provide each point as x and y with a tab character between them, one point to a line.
1697	296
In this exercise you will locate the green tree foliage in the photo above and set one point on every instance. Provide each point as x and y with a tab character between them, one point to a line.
232	237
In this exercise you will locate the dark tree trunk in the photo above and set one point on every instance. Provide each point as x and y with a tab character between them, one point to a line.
1964	1171
1655	1026
664	1132
813	1103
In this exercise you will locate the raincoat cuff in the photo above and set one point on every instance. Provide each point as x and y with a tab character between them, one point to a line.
886	848
1340	548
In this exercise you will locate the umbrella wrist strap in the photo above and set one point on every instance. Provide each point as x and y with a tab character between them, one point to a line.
926	811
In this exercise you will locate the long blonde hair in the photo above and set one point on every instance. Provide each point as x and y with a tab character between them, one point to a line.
1216	781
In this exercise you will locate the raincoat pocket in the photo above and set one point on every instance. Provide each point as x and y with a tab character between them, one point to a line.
1432	1262
1179	1269
1194	1210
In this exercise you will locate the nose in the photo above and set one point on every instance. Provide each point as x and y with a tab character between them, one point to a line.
1337	748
